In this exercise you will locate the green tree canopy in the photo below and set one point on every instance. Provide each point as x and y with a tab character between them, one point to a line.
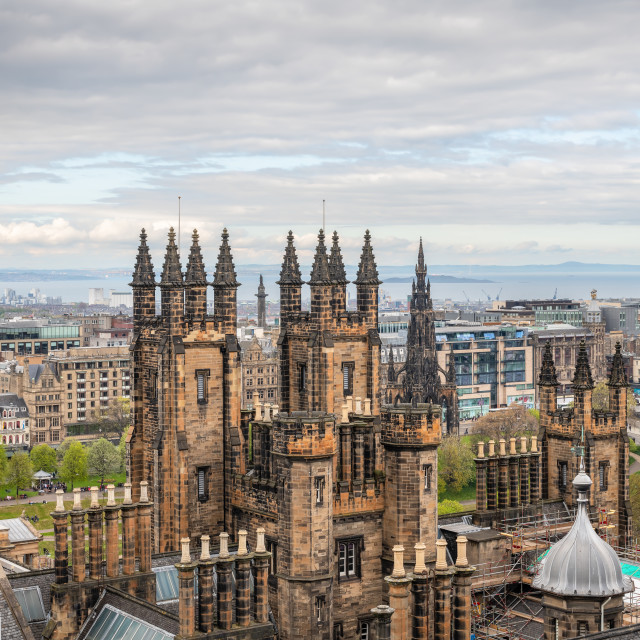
600	398
74	464
103	458
116	418
456	464
63	448
3	464
515	420
20	471
43	458
122	452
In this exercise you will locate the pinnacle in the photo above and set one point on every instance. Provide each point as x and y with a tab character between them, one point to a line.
290	272
171	270
320	273
143	274
336	265
195	273
582	377
548	376
367	269
225	275
420	267
451	369
618	376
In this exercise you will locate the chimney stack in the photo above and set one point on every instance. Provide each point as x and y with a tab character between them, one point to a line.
243	577
261	569
60	527
129	512
205	587
186	603
462	593
94	515
420	600
442	593
77	539
399	584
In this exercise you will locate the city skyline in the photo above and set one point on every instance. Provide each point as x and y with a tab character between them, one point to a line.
502	135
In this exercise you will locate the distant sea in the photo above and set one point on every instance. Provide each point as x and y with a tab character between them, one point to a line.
508	283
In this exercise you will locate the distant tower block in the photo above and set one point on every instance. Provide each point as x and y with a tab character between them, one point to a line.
262	304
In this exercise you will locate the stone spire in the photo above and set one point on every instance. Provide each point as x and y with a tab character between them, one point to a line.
451	369
225	275
290	272
143	275
262	304
367	269
171	270
195	274
548	376
582	377
421	268
336	265
391	371
618	376
320	273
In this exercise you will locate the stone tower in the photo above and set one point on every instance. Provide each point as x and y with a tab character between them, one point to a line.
421	374
602	435
581	580
186	391
328	354
262	304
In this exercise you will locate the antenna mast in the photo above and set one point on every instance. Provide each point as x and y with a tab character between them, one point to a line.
323	215
179	220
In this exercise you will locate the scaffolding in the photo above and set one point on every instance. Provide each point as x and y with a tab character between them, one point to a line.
505	605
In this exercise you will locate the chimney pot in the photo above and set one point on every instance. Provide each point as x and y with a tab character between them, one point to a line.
111	496
398	562
441	554
512	447
350	403
420	566
367	406
345	413
224	545
258	407
534	444
267	412
127	493
275	409
77	505
59	500
461	560
242	542
503	447
186	554
358	408
94	498
260	548
492	448
523	444
144	496
204	548
481	449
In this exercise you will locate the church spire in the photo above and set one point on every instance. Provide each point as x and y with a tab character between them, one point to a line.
367	269
195	274
171	270
451	369
391	370
143	274
336	265
548	376
618	377
225	275
582	377
320	273
290	272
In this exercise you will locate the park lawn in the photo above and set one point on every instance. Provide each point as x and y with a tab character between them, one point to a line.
466	493
10	490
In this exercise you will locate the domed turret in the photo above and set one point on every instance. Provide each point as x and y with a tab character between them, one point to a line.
582	564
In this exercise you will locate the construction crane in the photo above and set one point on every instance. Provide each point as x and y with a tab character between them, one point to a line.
486	294
499	292
466	296
555	294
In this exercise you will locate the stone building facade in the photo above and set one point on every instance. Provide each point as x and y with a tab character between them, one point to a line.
338	481
601	437
259	370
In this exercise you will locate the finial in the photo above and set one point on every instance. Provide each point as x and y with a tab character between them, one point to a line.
225	274
143	274
320	272
337	271
196	273
171	269
367	269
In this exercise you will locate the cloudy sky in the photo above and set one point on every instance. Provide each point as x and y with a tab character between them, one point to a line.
502	132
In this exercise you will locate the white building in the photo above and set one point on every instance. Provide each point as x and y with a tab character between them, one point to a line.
14	420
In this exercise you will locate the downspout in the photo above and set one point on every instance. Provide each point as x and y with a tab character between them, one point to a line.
602	606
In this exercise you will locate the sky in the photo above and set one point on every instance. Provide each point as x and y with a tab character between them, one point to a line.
501	132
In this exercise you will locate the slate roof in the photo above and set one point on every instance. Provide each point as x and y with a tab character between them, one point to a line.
18	530
14	400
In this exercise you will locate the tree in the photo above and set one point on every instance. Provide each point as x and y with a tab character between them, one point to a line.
116	418
455	463
122	452
63	448
3	464
600	399
445	507
43	458
74	463
103	459
20	471
513	421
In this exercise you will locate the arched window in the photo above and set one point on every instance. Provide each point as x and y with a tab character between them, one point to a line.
10	439
4	439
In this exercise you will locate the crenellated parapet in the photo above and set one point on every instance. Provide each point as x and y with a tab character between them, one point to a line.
405	425
304	435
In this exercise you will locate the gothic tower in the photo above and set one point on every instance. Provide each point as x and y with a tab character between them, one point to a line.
262	304
421	380
600	435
